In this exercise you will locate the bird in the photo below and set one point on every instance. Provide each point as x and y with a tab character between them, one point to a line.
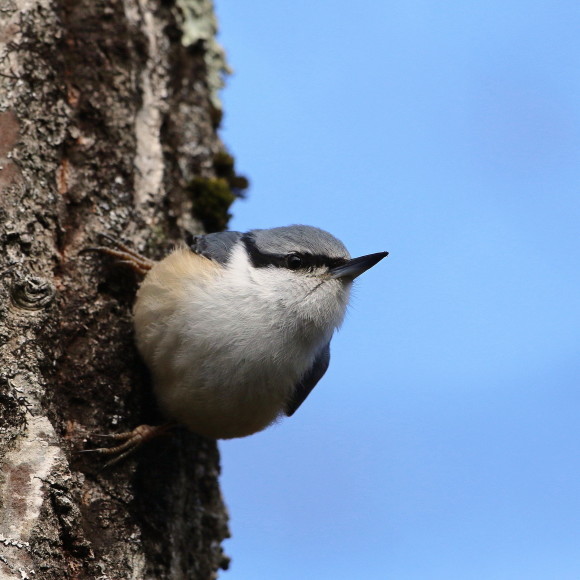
235	327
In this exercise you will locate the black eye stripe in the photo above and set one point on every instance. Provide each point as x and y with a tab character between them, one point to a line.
261	259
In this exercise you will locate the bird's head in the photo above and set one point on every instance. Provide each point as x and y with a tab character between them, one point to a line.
306	269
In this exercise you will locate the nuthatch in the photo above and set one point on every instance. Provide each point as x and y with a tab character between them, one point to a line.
236	327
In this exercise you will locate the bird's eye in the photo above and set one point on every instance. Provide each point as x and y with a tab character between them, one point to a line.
293	261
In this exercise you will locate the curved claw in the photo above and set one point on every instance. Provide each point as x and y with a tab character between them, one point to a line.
132	440
124	253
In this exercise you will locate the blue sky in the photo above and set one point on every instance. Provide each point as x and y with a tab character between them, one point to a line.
443	441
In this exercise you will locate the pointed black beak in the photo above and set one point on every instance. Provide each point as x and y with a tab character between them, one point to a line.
357	266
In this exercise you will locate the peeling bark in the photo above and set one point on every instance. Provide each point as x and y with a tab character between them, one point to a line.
105	119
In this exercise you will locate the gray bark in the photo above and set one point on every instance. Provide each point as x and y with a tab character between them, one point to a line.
107	114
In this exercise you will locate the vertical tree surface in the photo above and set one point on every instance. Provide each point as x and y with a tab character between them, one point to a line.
108	121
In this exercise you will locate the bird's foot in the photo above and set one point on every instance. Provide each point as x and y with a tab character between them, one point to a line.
131	441
124	253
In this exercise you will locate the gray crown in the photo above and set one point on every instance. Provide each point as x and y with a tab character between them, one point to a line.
298	238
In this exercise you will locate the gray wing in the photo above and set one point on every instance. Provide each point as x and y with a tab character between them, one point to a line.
216	246
308	382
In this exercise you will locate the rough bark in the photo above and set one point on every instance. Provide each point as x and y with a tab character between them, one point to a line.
107	117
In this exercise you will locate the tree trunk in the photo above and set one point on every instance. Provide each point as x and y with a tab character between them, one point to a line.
108	117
